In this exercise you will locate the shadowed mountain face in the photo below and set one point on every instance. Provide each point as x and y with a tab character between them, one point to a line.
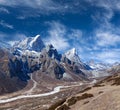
8	84
50	62
18	68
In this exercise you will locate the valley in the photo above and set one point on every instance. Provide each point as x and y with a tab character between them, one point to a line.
59	54
37	77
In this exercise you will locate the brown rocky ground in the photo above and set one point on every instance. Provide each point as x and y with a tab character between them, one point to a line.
42	83
102	96
41	103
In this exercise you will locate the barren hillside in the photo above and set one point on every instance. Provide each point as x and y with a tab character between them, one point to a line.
104	95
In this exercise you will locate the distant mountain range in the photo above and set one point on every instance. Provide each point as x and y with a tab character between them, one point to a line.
98	66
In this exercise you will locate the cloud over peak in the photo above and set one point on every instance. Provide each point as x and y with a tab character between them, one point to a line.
56	36
61	36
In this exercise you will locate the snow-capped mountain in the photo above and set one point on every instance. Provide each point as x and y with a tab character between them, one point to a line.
98	66
72	55
32	55
30	43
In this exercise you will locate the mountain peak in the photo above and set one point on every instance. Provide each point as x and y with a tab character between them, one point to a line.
37	37
52	52
31	43
49	46
73	51
72	55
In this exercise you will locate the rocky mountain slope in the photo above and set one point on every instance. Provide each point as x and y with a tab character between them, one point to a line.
103	95
74	58
47	60
31	55
8	84
114	69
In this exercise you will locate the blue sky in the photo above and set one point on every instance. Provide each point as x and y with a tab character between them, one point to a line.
91	26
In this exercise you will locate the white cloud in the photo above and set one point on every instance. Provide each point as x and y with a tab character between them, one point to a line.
106	4
56	36
44	6
60	36
107	39
106	36
59	43
48	4
102	55
109	56
11	37
21	17
108	9
76	34
2	9
4	24
11	43
41	6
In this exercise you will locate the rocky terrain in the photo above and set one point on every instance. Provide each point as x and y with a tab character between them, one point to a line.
7	83
30	61
41	78
103	95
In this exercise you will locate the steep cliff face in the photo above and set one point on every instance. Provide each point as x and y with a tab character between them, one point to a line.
73	56
73	70
8	84
19	68
50	62
59	66
47	62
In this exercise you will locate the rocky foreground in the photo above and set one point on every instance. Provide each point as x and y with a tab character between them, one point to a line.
103	95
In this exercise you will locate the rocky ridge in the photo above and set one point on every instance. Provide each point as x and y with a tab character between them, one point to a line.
31	55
